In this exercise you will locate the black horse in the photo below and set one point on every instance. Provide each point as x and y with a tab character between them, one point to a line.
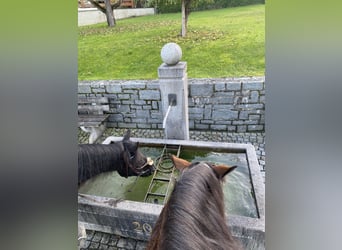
123	156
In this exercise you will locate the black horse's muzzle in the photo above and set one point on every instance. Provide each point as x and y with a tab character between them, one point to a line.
148	168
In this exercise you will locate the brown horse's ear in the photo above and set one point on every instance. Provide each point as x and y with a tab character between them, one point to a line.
127	135
222	170
179	163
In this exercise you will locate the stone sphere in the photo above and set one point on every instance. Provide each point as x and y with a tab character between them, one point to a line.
171	53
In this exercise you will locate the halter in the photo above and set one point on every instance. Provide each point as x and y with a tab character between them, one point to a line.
135	170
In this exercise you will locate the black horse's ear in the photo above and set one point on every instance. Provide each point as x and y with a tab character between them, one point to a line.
127	135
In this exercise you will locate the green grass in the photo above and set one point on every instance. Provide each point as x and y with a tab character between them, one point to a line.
220	43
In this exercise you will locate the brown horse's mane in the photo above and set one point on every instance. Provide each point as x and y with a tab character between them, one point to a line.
194	217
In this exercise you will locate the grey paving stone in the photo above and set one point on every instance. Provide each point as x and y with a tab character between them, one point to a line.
141	245
126	243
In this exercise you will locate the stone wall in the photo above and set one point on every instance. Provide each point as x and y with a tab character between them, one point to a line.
87	16
222	104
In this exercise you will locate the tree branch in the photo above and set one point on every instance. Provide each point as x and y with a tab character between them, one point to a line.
97	5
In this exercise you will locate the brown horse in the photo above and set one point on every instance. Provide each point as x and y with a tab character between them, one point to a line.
123	156
194	217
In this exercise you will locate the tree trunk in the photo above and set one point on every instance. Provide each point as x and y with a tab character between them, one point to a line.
109	14
183	19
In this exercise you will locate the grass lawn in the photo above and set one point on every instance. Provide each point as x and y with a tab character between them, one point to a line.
220	43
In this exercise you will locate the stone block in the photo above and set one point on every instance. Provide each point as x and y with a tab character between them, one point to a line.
149	95
224	114
223	122
222	100
253	128
139	102
152	85
207	122
262	99
196	110
139	120
84	89
127	102
113	88
153	120
143	113
174	71
155	105
133	85
124	108
127	125
254	97
201	90
116	118
233	86
130	91
254	117
252	85
156	115
241	129
144	125
124	96
218	127
231	128
207	112
195	116
136	107
220	86
98	90
202	126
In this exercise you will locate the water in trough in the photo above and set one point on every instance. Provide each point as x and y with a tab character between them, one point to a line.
238	191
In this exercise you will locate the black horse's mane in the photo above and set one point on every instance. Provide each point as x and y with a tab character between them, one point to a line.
94	159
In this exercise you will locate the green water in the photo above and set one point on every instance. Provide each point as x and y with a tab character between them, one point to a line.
237	187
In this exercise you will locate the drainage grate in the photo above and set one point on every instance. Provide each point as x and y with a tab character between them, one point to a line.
163	178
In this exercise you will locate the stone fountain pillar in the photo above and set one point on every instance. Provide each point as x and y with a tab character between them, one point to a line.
173	81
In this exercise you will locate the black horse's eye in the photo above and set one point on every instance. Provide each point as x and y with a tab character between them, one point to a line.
131	156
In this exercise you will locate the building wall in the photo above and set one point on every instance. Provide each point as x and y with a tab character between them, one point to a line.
222	104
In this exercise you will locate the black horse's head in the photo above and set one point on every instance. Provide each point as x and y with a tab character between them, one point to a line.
136	163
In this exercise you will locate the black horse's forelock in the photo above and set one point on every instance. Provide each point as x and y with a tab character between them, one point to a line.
194	216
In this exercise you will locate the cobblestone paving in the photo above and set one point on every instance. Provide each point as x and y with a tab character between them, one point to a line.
99	240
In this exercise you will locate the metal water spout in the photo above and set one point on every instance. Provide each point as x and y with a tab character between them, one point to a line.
173	81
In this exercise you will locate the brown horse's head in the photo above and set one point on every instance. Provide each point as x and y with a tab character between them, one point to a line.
136	163
219	170
194	216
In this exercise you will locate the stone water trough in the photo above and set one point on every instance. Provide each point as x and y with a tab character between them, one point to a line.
136	219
